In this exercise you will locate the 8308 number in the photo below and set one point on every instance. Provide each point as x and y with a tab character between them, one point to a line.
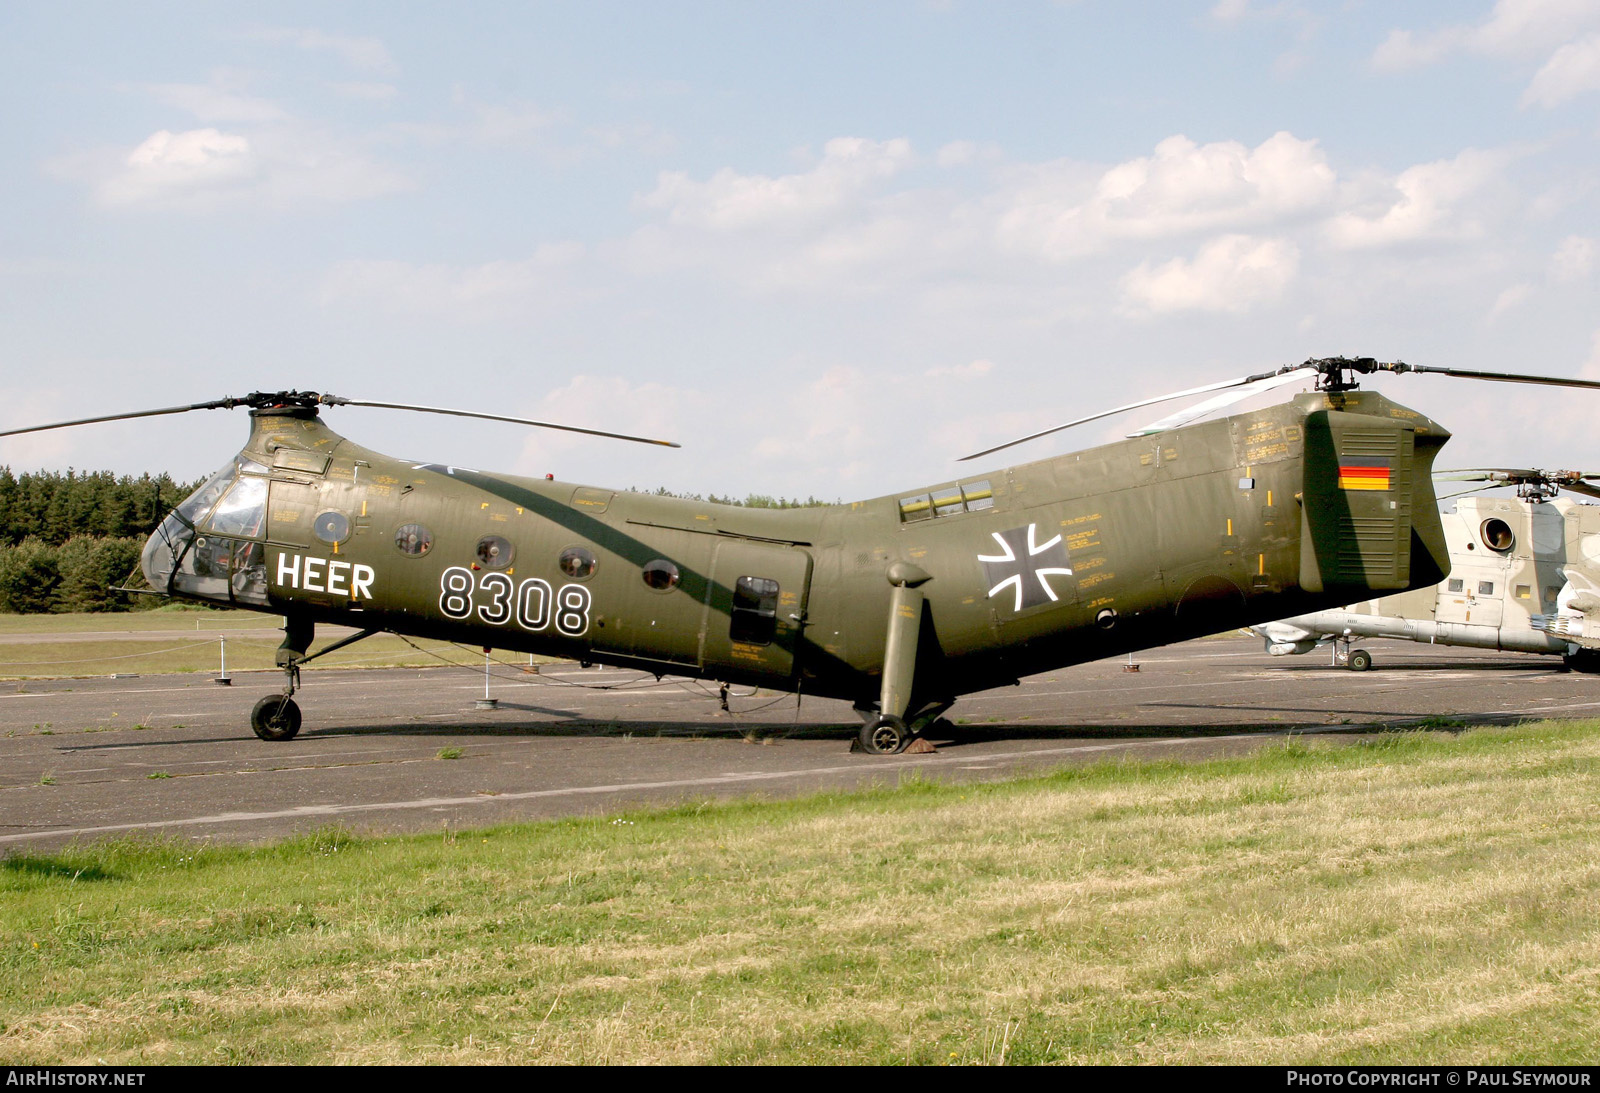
533	604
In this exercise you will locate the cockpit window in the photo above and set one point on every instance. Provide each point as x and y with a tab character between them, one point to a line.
240	511
200	501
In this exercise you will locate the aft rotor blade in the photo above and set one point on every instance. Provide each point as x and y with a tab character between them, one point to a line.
1195	413
334	400
1207	389
220	404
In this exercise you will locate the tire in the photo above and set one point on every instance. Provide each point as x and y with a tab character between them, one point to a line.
1584	660
1360	660
884	736
275	717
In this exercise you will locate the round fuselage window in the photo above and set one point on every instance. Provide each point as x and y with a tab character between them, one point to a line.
578	563
413	539
495	552
660	575
331	527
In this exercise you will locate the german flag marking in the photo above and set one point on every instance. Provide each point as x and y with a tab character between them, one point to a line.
1364	474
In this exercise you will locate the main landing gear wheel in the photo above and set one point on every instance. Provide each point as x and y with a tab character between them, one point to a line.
1360	660
276	717
885	735
1584	660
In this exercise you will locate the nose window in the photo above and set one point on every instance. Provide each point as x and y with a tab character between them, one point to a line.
200	501
241	508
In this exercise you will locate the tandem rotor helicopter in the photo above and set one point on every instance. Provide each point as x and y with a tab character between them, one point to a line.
1524	577
900	604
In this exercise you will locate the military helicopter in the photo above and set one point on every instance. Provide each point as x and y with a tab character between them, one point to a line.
899	604
1524	576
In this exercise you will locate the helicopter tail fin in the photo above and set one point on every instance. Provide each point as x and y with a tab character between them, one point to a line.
1360	496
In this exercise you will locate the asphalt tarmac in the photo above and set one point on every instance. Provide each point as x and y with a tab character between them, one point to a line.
173	757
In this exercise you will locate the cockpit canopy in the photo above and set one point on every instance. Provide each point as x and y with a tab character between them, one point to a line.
210	547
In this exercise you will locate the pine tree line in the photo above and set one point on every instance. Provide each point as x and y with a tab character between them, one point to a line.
67	539
78	575
54	507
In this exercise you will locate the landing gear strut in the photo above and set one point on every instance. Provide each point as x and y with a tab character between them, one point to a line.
1357	660
277	717
886	733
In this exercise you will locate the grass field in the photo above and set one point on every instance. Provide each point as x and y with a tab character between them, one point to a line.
1426	898
185	640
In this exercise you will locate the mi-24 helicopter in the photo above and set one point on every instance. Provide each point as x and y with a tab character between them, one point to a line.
1524	576
900	604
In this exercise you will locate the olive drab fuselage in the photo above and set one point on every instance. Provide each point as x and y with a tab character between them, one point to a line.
912	599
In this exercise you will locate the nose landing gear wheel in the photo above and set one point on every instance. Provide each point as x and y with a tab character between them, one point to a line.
1360	660
885	736
276	717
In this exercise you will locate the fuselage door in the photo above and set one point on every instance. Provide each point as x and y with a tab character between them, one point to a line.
755	608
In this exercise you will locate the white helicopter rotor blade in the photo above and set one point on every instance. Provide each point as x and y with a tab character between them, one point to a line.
1195	413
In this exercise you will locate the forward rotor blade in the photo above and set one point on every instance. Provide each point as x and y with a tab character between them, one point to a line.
335	400
1515	472
220	404
1502	377
1195	413
1207	389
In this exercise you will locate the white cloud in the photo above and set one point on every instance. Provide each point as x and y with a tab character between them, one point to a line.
205	168
358	52
1530	27
1232	274
1182	188
612	403
1509	300
1571	70
1515	30
368	91
490	289
729	201
972	370
216	104
176	165
1229	11
961	153
1573	259
1403	50
1427	205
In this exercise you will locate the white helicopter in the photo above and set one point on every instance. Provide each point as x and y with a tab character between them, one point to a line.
1524	577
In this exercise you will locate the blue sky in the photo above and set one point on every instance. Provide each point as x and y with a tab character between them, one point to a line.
827	247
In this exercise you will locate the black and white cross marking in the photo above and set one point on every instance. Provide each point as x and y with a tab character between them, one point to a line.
1023	565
